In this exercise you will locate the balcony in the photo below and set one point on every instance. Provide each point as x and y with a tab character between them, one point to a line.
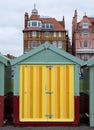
85	50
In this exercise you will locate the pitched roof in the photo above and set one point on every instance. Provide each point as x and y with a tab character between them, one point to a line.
4	59
58	25
91	19
51	52
90	62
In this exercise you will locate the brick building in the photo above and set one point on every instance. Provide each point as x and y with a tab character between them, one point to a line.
38	30
83	37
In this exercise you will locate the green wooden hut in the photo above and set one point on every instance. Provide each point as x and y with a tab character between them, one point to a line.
90	65
4	64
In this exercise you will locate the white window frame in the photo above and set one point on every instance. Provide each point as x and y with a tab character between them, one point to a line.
34	33
59	34
34	42
47	34
85	57
54	43
85	25
85	33
54	34
34	23
85	44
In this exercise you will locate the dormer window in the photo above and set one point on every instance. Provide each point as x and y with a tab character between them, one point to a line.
85	25
47	26
34	23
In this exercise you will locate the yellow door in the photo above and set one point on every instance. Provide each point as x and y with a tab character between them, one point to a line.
47	93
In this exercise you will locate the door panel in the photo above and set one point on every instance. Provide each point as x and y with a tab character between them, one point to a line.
47	93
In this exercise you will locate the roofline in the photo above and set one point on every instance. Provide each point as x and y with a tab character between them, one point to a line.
47	45
4	59
90	62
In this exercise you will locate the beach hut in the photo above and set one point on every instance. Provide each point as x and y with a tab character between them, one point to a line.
46	87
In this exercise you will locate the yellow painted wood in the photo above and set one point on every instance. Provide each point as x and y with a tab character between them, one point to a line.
47	93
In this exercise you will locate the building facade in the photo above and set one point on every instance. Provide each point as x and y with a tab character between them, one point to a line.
83	37
38	30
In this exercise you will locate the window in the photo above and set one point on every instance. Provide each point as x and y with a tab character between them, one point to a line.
47	34
80	56
54	34
59	44
59	34
80	44
34	24
54	43
39	24
29	44
47	26
90	44
85	25
51	26
34	33
33	44
85	57
28	24
85	44
85	33
43	26
80	34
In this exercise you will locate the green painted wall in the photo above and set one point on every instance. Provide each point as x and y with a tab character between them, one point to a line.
2	79
8	87
76	80
92	96
16	80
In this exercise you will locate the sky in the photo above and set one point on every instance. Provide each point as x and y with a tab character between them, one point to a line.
12	18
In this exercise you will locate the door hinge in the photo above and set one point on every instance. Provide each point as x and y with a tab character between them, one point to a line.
49	67
49	115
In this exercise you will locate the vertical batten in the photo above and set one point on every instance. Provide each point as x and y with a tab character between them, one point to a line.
31	90
64	91
50	90
34	93
37	100
44	105
21	92
67	90
58	92
61	92
53	92
25	92
71	99
40	90
28	92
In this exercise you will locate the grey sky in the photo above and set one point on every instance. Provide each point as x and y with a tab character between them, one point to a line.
12	18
